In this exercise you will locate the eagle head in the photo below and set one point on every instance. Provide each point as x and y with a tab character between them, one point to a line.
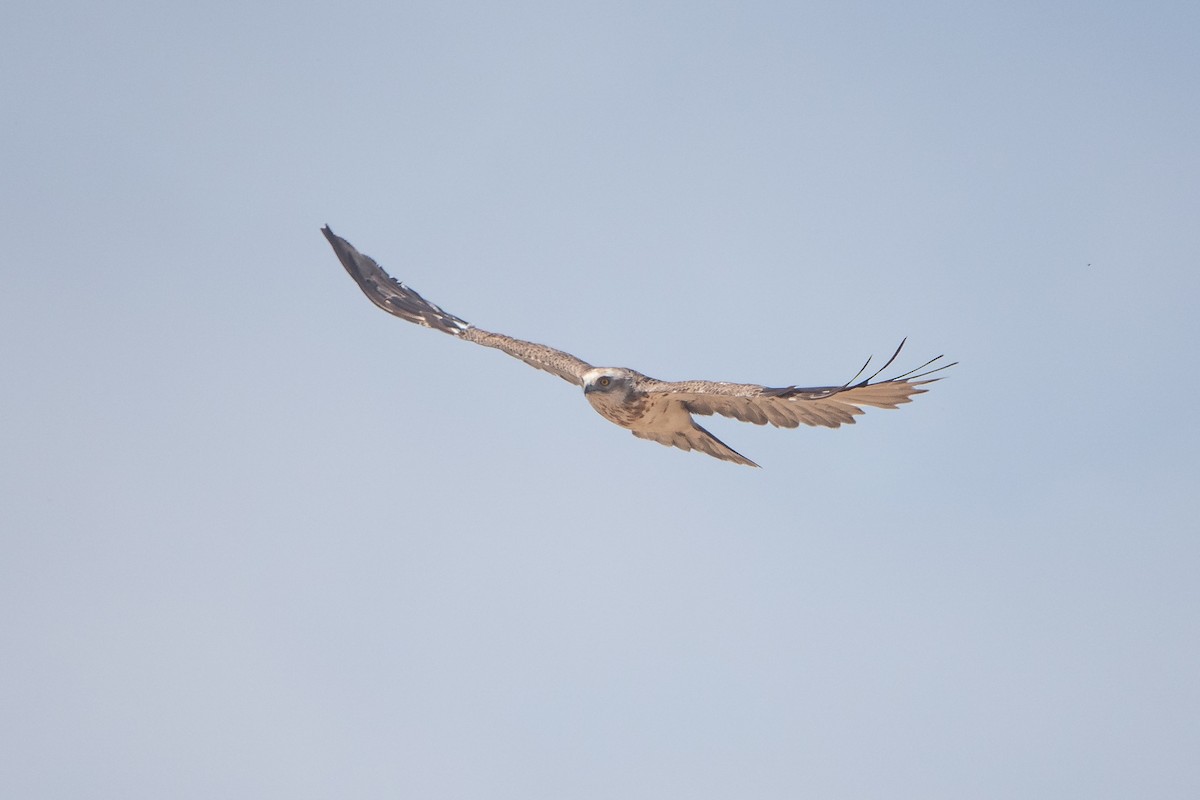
613	391
612	381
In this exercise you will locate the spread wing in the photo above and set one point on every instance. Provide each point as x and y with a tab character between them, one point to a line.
395	298
790	406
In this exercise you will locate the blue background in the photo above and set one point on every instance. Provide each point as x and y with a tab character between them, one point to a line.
259	539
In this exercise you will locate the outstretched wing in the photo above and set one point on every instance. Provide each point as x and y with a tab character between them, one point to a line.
395	298
790	406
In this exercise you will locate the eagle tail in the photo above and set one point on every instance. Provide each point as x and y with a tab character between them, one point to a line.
698	439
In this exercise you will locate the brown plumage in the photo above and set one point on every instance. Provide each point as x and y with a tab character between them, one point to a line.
657	410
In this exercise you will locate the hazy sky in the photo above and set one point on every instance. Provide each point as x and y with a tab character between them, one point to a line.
258	539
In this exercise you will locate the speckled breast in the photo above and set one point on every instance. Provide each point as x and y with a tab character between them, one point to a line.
624	411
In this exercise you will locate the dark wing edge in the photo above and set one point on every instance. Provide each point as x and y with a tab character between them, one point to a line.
402	301
791	406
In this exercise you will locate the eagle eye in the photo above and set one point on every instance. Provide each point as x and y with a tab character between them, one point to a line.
604	381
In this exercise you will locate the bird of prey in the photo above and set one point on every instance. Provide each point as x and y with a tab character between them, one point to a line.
660	411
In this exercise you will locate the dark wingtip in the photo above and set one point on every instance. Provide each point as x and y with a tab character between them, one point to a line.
390	294
339	245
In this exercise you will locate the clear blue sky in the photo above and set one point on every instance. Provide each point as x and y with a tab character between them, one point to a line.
259	539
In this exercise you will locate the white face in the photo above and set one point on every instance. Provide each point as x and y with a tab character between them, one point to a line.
605	379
